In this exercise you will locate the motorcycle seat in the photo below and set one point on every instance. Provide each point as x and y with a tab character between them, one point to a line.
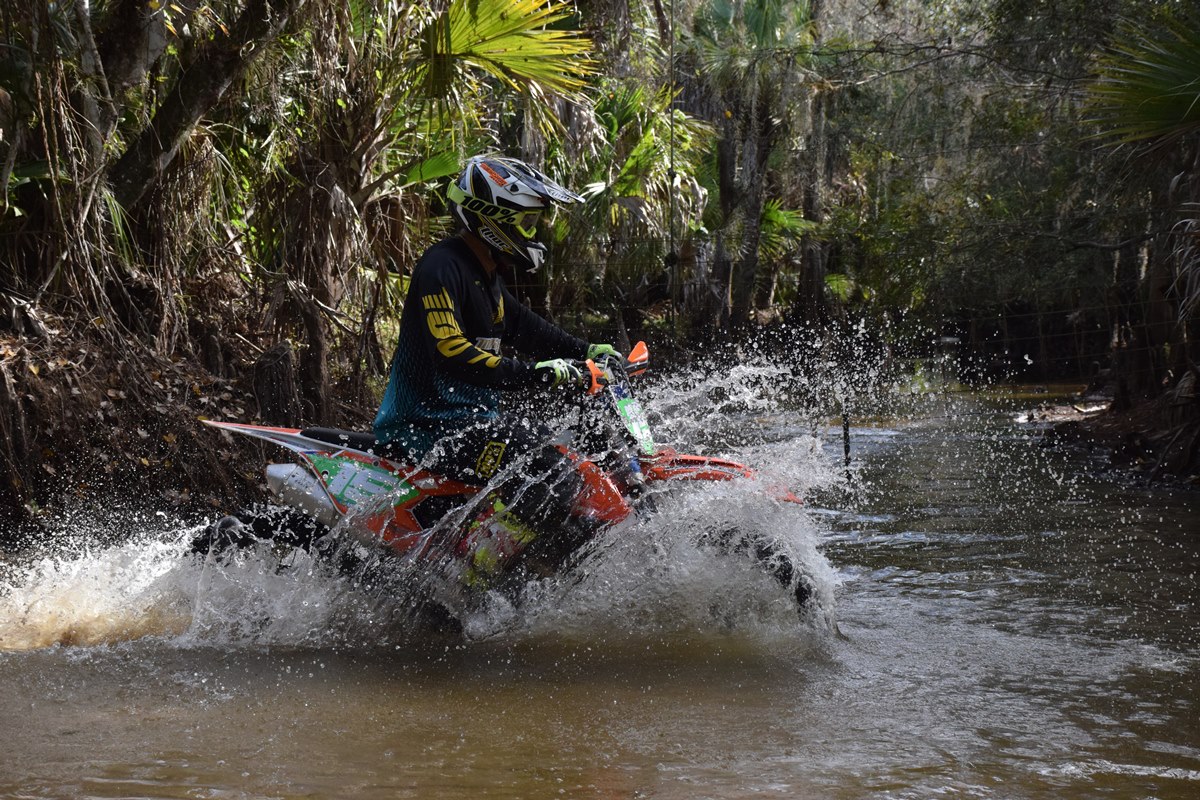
364	442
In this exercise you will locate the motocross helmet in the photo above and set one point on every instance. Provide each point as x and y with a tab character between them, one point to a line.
500	200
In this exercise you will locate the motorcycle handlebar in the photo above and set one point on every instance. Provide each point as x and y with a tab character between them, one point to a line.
600	375
594	375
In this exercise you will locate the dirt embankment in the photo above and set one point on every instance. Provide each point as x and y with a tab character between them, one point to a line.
1157	439
82	427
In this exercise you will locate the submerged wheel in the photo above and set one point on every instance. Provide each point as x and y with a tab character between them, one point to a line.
770	558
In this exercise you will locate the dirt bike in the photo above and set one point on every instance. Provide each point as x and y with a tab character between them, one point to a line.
464	533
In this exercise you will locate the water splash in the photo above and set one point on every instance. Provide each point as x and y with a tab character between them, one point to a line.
651	575
659	576
95	595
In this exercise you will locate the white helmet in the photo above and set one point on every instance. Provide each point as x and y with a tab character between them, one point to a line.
500	199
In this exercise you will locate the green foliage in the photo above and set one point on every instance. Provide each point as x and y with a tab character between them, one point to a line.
927	159
845	288
640	185
513	42
737	35
1147	91
1148	82
782	228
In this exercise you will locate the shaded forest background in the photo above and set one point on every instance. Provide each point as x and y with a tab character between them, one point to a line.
211	208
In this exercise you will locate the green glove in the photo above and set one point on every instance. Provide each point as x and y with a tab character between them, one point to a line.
558	371
595	351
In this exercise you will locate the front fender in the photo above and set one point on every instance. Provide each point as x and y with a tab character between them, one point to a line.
668	465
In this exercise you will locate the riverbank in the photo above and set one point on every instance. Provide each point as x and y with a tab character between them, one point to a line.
1155	441
83	428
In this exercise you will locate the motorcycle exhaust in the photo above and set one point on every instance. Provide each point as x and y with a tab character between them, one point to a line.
295	486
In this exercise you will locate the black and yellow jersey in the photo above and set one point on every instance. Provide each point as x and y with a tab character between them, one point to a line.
448	368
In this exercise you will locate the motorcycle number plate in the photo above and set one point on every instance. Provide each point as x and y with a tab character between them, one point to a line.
350	481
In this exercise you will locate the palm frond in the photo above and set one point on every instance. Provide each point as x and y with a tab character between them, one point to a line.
735	40
780	228
841	286
639	183
1147	85
512	41
1187	257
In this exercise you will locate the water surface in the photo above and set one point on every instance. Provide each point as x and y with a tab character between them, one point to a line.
993	623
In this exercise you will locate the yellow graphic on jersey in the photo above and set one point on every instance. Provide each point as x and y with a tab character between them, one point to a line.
440	300
499	317
489	460
439	315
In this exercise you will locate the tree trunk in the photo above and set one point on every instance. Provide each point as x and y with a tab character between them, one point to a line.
314	363
814	265
203	82
753	198
130	39
729	193
764	285
275	386
721	285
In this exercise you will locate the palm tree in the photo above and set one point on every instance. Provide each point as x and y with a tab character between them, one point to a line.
174	173
753	58
1146	94
643	196
1147	84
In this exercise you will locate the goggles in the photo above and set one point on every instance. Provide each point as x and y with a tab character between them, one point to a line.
524	221
527	223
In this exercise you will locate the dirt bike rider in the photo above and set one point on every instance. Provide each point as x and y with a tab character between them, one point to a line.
442	407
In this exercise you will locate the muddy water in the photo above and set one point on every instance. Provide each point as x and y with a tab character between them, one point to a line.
992	623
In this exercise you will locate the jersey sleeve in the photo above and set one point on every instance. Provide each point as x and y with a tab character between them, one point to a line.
448	346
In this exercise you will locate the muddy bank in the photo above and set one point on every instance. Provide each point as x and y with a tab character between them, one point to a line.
1155	441
83	428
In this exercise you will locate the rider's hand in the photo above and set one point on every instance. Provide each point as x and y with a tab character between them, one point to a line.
595	351
558	371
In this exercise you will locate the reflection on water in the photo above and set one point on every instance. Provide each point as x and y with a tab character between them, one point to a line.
1005	627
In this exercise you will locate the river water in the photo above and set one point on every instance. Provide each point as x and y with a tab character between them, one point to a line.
994	621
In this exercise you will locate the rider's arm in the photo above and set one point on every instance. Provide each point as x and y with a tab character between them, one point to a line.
449	348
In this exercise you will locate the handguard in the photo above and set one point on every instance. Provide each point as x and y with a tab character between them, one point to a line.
638	359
